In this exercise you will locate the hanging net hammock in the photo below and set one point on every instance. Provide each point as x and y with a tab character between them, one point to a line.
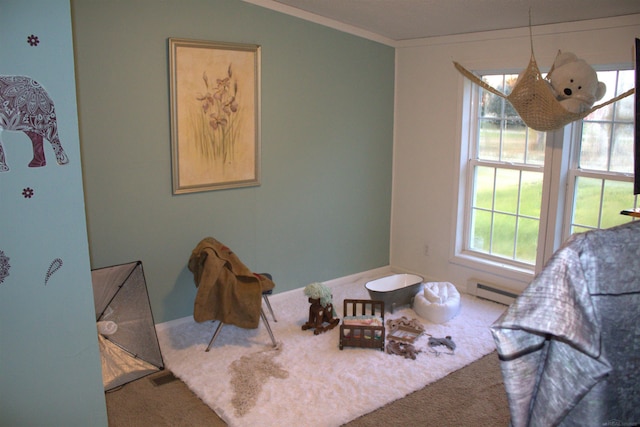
534	101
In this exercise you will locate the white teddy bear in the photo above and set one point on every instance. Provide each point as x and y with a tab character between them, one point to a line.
575	83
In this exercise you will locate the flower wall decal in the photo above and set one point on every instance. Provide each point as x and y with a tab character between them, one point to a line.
28	193
33	40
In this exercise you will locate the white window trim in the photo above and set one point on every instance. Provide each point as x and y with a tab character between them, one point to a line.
556	209
553	208
459	255
573	171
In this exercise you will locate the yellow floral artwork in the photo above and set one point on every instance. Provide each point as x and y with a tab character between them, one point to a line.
215	117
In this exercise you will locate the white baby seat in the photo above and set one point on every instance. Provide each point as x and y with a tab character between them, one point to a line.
438	302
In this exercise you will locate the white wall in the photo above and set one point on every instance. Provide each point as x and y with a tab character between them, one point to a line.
428	132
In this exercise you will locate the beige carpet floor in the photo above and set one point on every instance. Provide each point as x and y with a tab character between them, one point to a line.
472	396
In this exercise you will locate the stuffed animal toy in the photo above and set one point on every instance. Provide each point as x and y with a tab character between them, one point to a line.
575	83
402	349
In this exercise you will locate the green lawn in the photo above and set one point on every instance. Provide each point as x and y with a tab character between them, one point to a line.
517	219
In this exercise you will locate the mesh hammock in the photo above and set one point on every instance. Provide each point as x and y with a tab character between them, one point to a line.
534	101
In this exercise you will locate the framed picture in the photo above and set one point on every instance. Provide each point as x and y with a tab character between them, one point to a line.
215	115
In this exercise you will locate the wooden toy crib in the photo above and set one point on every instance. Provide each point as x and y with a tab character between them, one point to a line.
362	324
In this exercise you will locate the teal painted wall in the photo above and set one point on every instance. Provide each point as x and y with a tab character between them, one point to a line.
323	208
49	358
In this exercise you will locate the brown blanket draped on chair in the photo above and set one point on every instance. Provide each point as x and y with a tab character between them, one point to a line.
227	290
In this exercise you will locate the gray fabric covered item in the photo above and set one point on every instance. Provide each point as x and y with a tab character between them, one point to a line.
570	344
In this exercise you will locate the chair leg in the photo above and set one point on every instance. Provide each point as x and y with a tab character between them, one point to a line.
266	323
266	299
264	319
215	335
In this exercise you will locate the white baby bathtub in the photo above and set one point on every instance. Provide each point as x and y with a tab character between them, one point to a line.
395	290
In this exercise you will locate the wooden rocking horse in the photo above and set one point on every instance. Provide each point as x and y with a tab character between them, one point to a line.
321	312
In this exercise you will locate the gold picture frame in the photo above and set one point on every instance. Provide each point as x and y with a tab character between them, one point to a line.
215	115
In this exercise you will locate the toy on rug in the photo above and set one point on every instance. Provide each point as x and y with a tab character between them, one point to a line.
321	311
575	83
362	324
402	349
437	342
438	302
406	323
404	332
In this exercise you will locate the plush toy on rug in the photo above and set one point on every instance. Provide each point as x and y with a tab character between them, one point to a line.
405	349
321	312
408	351
446	342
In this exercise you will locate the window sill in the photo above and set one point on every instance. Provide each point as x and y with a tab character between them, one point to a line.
503	269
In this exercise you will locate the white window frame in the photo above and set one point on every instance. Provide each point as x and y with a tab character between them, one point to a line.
561	157
573	171
459	254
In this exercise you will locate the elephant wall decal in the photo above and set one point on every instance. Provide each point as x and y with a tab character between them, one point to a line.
26	107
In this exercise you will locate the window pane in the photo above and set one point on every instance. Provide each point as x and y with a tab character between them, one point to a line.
609	78
514	142
504	233
500	127
607	145
531	194
480	239
483	188
492	106
586	205
527	240
500	195
617	196
535	147
594	151
489	139
507	185
621	152
625	107
509	83
495	80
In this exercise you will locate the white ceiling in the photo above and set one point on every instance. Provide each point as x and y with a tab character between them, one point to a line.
398	20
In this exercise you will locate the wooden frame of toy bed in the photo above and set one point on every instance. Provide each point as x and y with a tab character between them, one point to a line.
362	335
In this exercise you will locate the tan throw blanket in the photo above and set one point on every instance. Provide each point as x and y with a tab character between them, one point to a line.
227	290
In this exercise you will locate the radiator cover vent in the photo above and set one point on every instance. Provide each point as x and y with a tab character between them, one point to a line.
491	292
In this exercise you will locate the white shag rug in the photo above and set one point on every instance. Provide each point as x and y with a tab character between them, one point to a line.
308	380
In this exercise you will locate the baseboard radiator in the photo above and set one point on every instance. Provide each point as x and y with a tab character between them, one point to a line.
491	292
